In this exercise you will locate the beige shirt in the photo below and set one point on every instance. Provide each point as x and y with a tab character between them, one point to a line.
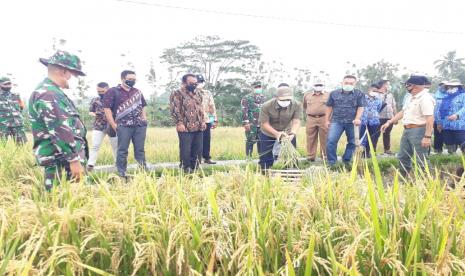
315	103
418	107
280	118
208	105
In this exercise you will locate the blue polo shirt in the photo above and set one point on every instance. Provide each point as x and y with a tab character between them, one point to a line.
345	104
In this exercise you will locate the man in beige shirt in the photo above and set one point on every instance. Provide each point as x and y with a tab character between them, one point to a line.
278	117
211	120
314	106
418	119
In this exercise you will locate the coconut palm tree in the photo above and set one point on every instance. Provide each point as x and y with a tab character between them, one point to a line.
449	66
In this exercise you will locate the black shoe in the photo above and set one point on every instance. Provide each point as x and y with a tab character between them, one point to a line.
90	168
188	171
209	161
311	159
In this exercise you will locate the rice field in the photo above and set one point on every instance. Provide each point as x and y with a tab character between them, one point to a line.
229	223
227	143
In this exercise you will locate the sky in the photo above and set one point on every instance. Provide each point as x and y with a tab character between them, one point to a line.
318	35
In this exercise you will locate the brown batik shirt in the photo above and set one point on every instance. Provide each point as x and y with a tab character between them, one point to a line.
187	109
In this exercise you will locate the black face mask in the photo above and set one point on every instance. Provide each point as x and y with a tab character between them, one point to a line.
7	89
191	87
130	83
101	95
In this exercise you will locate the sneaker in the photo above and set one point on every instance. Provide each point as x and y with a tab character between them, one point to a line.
388	152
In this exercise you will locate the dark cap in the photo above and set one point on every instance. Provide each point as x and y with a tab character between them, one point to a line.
418	80
200	78
256	84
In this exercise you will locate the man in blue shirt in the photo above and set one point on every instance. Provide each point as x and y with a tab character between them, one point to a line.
370	121
345	108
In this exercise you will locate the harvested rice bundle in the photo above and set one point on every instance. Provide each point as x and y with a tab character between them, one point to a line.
288	155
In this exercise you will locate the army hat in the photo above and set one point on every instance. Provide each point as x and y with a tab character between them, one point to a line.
285	93
4	80
65	60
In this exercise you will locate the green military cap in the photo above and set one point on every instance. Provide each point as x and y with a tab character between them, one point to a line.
65	60
4	79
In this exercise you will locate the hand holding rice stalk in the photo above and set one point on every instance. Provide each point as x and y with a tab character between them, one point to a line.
288	155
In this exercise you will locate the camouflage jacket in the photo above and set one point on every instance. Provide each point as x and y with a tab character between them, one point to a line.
10	110
57	129
100	122
251	105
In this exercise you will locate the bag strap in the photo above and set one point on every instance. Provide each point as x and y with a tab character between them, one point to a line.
116	99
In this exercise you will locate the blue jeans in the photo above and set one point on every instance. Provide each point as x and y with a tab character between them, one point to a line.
335	132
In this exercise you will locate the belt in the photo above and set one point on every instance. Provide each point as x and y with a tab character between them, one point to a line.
408	126
316	116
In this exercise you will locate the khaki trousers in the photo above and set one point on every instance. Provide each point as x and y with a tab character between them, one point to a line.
316	130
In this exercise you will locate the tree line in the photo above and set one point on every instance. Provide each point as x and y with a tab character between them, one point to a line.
229	66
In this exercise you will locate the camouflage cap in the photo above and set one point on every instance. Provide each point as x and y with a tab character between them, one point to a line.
4	79
65	60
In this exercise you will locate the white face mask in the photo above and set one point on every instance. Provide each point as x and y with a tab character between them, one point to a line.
285	103
200	85
373	94
452	90
318	88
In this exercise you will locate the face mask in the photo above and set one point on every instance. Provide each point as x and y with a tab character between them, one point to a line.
373	94
452	90
285	103
191	87
389	87
258	90
130	83
200	85
318	88
348	87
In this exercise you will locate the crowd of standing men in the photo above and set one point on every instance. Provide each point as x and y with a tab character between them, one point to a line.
60	143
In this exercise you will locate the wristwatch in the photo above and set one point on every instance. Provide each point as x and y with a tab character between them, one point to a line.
428	137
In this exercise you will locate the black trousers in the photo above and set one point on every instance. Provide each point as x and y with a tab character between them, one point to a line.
206	142
190	149
386	135
438	142
266	150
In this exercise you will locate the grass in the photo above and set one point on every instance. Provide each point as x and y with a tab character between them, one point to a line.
230	222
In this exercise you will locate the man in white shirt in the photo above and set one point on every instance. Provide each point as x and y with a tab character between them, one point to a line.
418	120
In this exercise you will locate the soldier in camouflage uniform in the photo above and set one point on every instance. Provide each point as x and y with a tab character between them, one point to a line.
11	118
58	132
251	104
